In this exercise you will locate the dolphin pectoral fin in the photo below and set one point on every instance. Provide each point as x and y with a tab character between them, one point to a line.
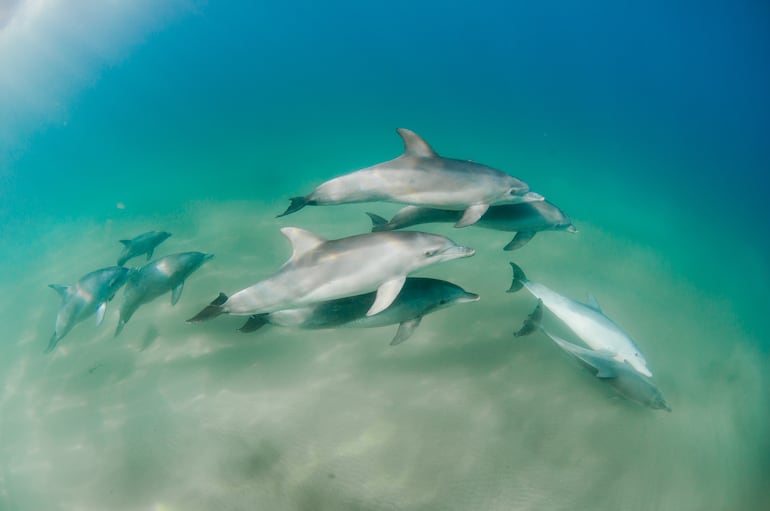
472	215
254	323
212	310
604	372
126	243
100	313
592	302
302	241
149	253
176	293
532	323
295	205
405	330
521	239
414	145
119	328
59	288
386	293
51	343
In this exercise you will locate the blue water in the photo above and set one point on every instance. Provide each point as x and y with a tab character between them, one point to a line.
646	123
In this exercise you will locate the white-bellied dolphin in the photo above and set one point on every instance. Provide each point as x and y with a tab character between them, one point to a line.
156	278
87	296
418	297
422	178
587	321
626	381
321	270
143	244
524	218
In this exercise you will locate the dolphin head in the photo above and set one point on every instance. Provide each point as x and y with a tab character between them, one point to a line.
433	248
441	293
638	362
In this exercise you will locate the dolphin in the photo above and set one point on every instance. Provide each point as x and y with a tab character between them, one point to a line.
156	278
87	296
321	270
142	244
418	297
524	218
626	381
423	178
587	321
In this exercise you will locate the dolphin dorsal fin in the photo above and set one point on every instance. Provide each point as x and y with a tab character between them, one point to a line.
592	302
414	145
60	288
302	241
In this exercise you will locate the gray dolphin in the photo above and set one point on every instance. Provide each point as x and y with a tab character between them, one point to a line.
524	218
418	297
321	270
156	278
87	296
142	244
587	321
423	178
626	381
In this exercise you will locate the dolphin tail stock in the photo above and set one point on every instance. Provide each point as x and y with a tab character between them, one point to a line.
379	224
533	321
254	323
51	343
519	278
296	204
211	311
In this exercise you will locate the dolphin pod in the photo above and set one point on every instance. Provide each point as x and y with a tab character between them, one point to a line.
362	280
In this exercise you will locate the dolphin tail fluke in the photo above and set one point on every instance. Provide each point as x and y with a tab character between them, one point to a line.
519	278
533	321
296	204
379	224
51	343
254	323
211	311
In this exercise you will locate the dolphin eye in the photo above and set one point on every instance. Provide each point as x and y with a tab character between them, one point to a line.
430	253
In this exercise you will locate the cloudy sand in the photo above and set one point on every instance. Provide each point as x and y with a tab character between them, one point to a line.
461	416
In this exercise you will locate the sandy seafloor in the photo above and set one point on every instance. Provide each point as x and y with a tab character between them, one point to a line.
462	416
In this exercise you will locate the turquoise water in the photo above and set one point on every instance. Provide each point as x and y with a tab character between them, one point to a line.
646	124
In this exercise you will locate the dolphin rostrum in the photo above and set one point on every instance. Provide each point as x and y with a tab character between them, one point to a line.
321	270
524	218
418	297
142	244
423	178
626	381
156	278
87	296
587	321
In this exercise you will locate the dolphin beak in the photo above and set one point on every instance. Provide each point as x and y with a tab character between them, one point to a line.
458	251
532	197
207	257
571	228
467	298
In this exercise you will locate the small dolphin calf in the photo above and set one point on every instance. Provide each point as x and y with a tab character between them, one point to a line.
524	218
587	321
321	270
422	178
626	381
142	244
418	297
87	296
156	278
